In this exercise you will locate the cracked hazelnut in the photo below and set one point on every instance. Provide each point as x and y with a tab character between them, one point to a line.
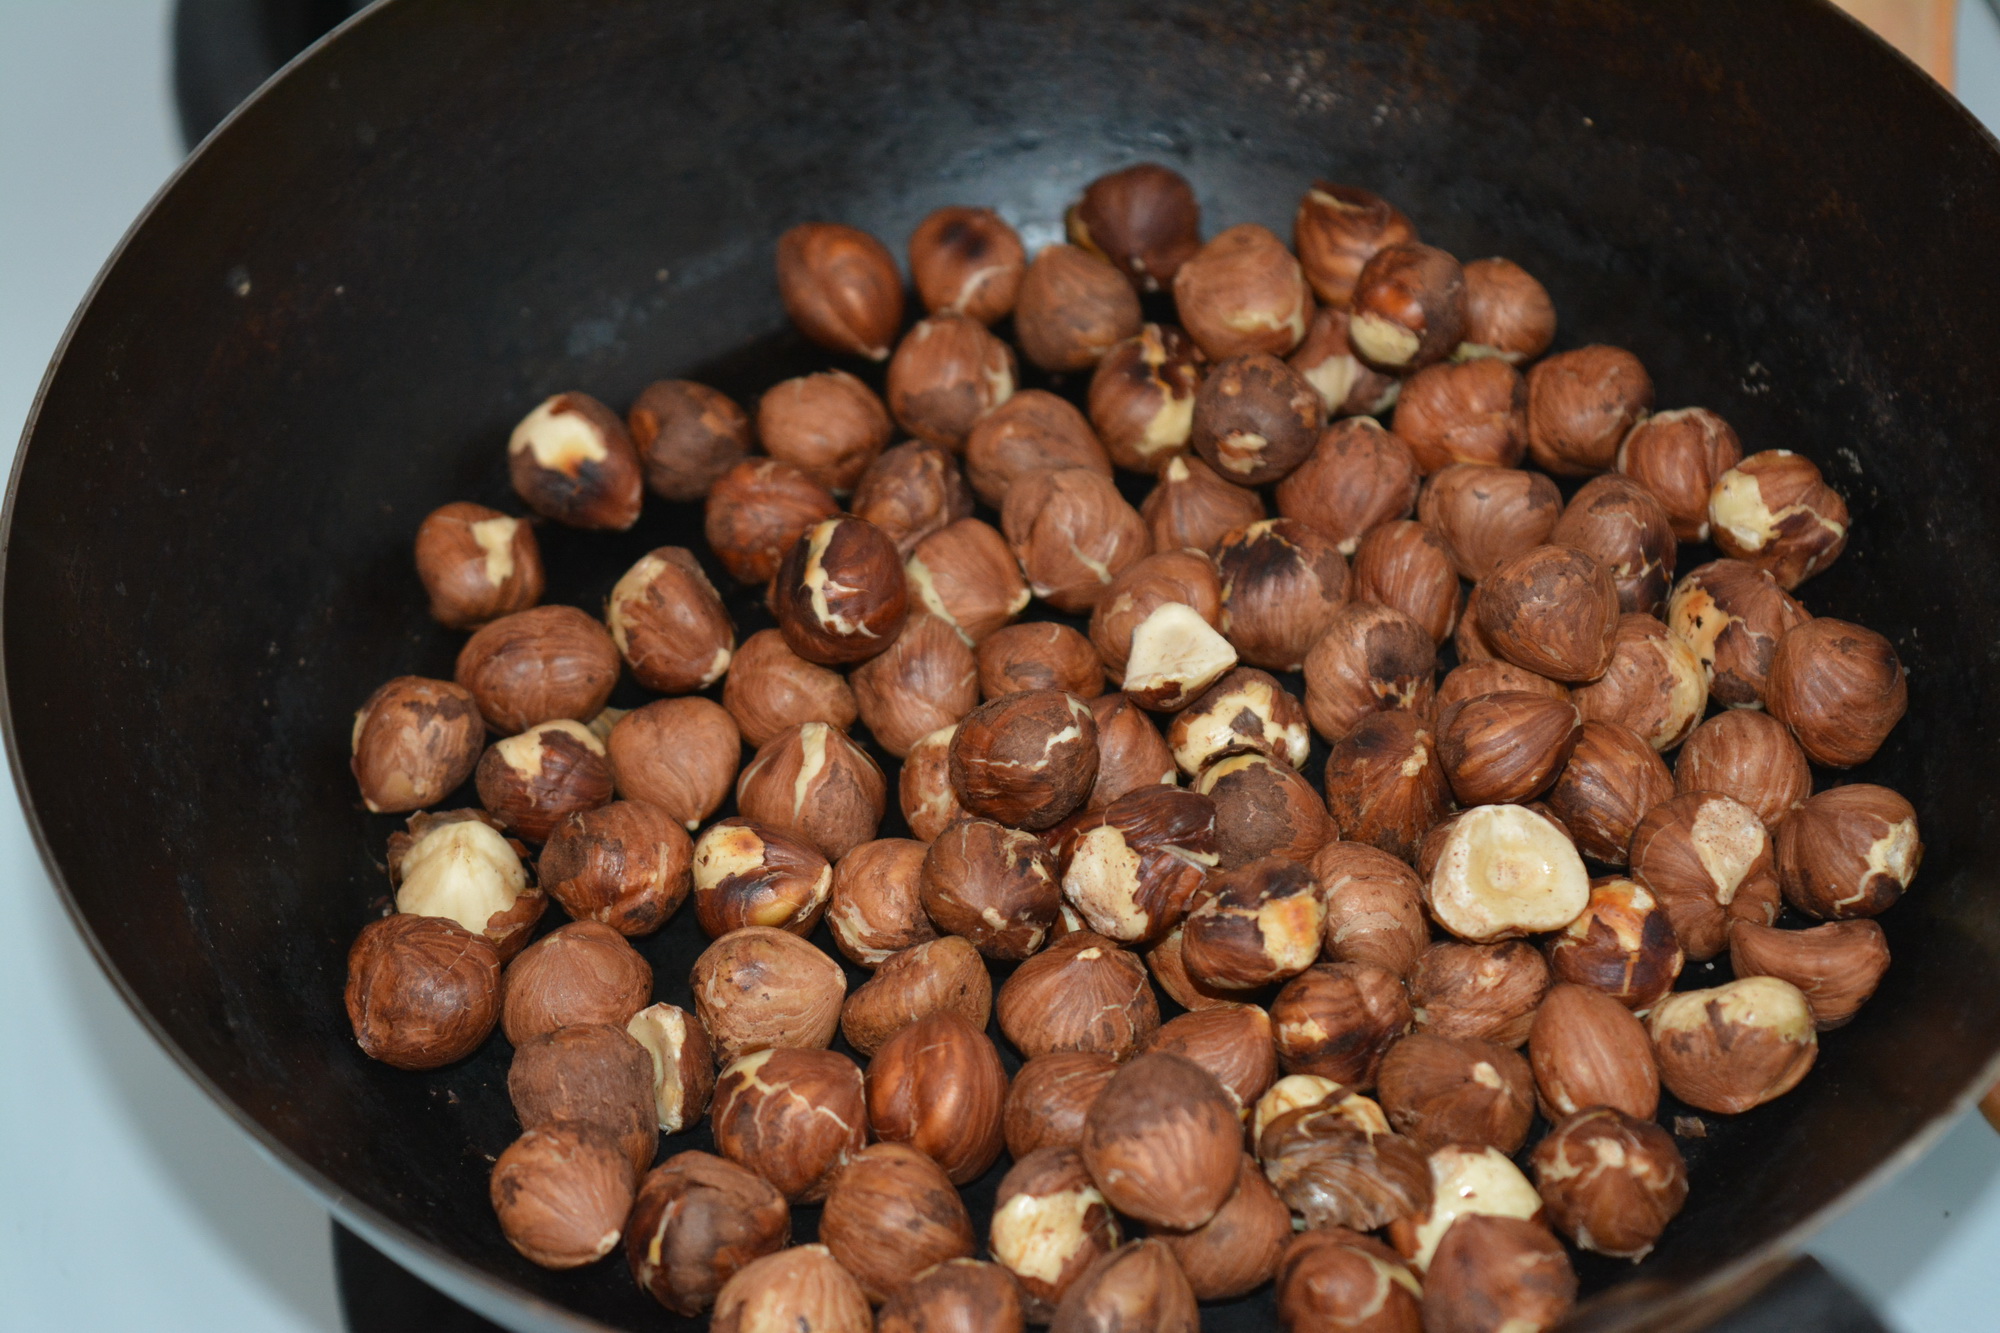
1508	313
1374	907
1654	686
1163	1143
752	873
1735	1046
415	742
1835	966
1338	1020
1498	1273
1137	1288
937	1085
1408	308
1371	659
911	491
1143	220
1612	779
1255	419
535	665
1188	578
841	288
1553	610
1357	476
1025	759
1131	753
956	1296
422	991
1505	746
1247	711
1331	1277
757	510
477	564
530	782
1473	680
1772	510
1072	533
923	789
1840	687
1622	944
948	373
1707	859
1588	1050
794	1116
1237	1250
800	1288
1082	993
1130	868
876	908
837	596
1495	872
588	1073
1466	1181
967	261
1233	1042
624	864
1263	808
1072	309
698	1221
1339	1173
459	866
938	975
1403	565
760	987
1142	397
1050	1223
571	460
669	623
1327	360
1252	926
1282	582
1296	1091
1750	755
965	574
1580	404
1610	1182
1848	852
829	426
890	1215
687	435
1488	515
680	754
1050	1096
561	1194
1338	229
1190	506
1488	991
1679	455
994	885
682	1068
580	973
1384	786
926	679
1445	1090
1033	431
1243	292
1464	412
1041	655
1733	615
1618	521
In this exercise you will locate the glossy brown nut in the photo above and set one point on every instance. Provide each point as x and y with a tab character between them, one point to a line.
1371	659
1497	1272
1247	711
1408	308
1464	412
829	426
669	623
1506	746
1357	476
1190	506
1471	680
1237	1250
1623	944
1835	966
458	865
1580	404
682	1064
1340	1173
890	1215
1073	308
687	435
1486	515
1611	1182
591	1073
1331	1277
1188	578
1282	583
761	987
1072	534
679	754
1612	779
816	785
532	781
571	460
561	1194
1679	456
1162	1141
948	373
1774	511
1553	610
1487	991
698	1220
1840	687
1131	868
1233	1042
1025	759
1629	531
1050	1096
1082	993
415	742
625	864
1131	753
926	679
1374	907
1142	397
1032	431
994	885
1143	220
938	1085
421	991
838	596
477	564
1734	1047
1655	685
1445	1090
965	574
1243	292
535	665
756	511
1338	229
923	788
876	908
580	973
956	1296
1750	755
1263	808
1050	1223
1405	566
1255	419
840	286
1384	785
803	1287
1708	861
967	260
1338	1020
1327	360
750	873
1733	616
1041	655
911	491
1848	852
1588	1050
1249	927
794	1116
936	976
1508	313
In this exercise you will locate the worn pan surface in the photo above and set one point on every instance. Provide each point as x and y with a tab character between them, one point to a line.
328	322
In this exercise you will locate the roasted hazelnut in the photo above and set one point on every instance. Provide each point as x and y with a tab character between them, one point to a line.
1405	566
421	991
1466	1181
1186	578
1446	1090
1252	926
829	426
1495	872
1282	582
1707	860
1050	1096
1033	431
1506	746
1472	680
1588	1050
1371	659
1143	220
1334	1278
669	623
1142	397
1233	1042
1338	1020
561	1193
1327	360
415	742
530	782
757	510
1137	1288
1131	868
1848	852
1498	1273
1340	1170
1735	1046
1654	686
1750	755
1247	711
911	491
681	754
687	435
1580	404
994	885
749	872
1164	961
1072	533
593	1073
623	864
698	1221
1263	808
1408	308
1357	476
1488	515
1338	229
683	1064
800	1288
1296	1091
1190	506
1463	412
1176	654
1072	309
1082	993
1679	456
1611	1182
1243	293
1773	511
1612	779
938	975
459	866
956	1296
838	598
1131	753
1835	966
1733	616
1041	655
890	1215
1162	1141
967	261
1050	1223
1237	1250
1507	313
1255	419
1622	944
477	564
1840	687
1374	907
1488	991
1025	759
926	679
1384	786
876	908
535	665
841	288
937	1085
947	374
571	460
795	1116
965	574
1553	610
580	973
923	789
759	987
1618	521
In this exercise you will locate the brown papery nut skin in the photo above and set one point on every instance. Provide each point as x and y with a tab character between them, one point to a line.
829	425
1033	431
994	885
1142	397
687	435
1282	582
1405	566
1072	534
923	789
1623	944
1338	229
840	286
1472	680
1836	966
1357	476
415	742
967	260
1327	360
1580	404
530	782
1237	1250
1163	1143
1464	412
1073	308
1654	685
1371	659
1488	991
757	510
624	864
593	1073
1338	1169
669	623
1487	515
1612	779
1610	1182
1233	1042
1025	759
1254	925
1263	808
1588	1050
1733	616
956	1296
1331	1277
1255	419
561	1194
1082	993
1164	961
421	991
1774	511
1374	907
1445	1090
938	1086
571	460
1708	861
698	1220
761	987
948	373
1041	655
477	564
1384	785
1628	530
800	1288
751	873
1840	687
1506	746
1050	1223
1137	1287
1508	313
1553	610
1848	852
682	1064
679	755
1247	711
1130	868
965	574
769	690
936	976
1497	1273
1131	753
1187	577
926	679
794	1116
1408	308
911	491
838	597
535	665
1338	1020
876	908
1750	755
1678	456
580	973
1190	506
1143	220
1243	293
1050	1096
1734	1047
890	1215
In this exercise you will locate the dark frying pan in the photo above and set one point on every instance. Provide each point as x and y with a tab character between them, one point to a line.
327	323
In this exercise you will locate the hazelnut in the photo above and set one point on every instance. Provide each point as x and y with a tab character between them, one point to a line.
687	436
926	679
1618	521
938	975
1750	755
958	1294
1446	1090
938	1086
1488	991
1623	944
1507	313
1282	582
994	885
459	866
1255	419
890	1215
841	288
1679	456
1176	654
535	665
1848	852
1836	966
800	1288
623	864
1131	753
1405	566
1130	868
1408	308
1588	1050
876	908
1247	711
759	987
1463	412
965	574
1506	746
1038	656
1469	640
580	973
571	460
837	597
681	754
1049	1097
1338	1020
757	510
1471	680
1188	578
1072	533
1263	808
697	1222
1137	1288
911	491
1485	516
753	873
923	788
1163	1143
968	261
683	1064
1466	1181
1033	431
1553	610
477	564
1495	872
1654	686
561	1193
1345	385
1374	907
1371	659
1233	1042
829	426
1243	293
1340	1173
1073	308
1331	1277
588	1072
1707	860
1025	759
1610	1182
947	374
1580	404
1773	511
1309	1091
1082	993
1736	1046
1612	779
1237	1250
1498	1273
1050	1223
1384	786
1143	220
1164	961
1733	615
1190	506
1252	926
669	623
1357	476
531	781
1840	687
1142	397
795	1116
415	742
421	991
1338	229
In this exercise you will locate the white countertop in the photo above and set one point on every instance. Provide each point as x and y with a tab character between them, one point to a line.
127	1200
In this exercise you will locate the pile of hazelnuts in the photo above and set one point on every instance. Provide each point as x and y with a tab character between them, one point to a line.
1113	810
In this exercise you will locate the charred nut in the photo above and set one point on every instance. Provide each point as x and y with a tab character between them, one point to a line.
1374	907
1618	521
1257	924
1588	1050
1255	419
967	260
1408	308
1623	944
1654	685
1282	582
1774	511
911	491
1338	229
891	1214
683	1064
1243	293
1050	1223
1508	313
1611	1182
624	864
530	782
1500	871
948	373
1357	476
571	460
1404	565
994	885
1338	1020
421	991
795	1116
459	866
1384	785
699	1220
1488	991
535	665
687	435
1750	755
592	1073
759	987
1835	966
1553	610
1848	852
1707	860
1839	687
1190	506
1445	1090
1143	220
477	564
415	742
838	597
1073	308
803	1287
1163	1143
561	1193
1050	1096
1733	616
1679	456
1370	659
669	623
876	908
1580	404
1736	1046
1142	397
840	286
748	873
756	511
1464	412
1082	993
580	973
940	975
678	754
965	575
1612	779
1072	533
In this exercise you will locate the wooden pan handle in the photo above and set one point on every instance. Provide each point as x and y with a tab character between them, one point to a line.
1920	29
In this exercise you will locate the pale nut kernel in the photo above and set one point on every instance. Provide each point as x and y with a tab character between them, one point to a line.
1708	861
1246	711
683	1064
1050	1223
1654	685
1735	1046
459	867
1176	654
1835	966
1502	871
1466	1181
750	874
1774	511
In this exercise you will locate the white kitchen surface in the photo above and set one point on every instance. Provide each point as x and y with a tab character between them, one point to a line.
127	1200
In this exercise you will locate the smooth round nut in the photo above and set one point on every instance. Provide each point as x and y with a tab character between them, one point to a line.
1408	308
937	975
803	1287
829	426
890	1215
687	435
911	491
1331	1277
1488	991
1580	404
1371	659
1508	313
1082	993
1245	712
1835	966
1073	308
1357	476
1243	292
1142	397
928	678
415	742
669	623
571	460
1485	516
1678	456
1464	412
794	1116
1041	655
876	908
1501	871
459	866
841	288
965	574
580	973
1252	926
1618	521
1282	583
1749	755
561	1193
1404	565
1506	746
1553	610
699	1220
1374	907
1326	358
771	689
1612	779
1735	1046
1025	759
537	665
1654	686
678	755
758	987
968	261
1131	753
1840	688
948	372
1143	220
421	991
967	1294
532	781
1163	1143
1237	1250
1255	419
1588	1050
1050	1223
1050	1096
748	873
1611	1182
1072	533
757	510
837	596
1233	1042
1136	1287
1733	616
1707	860
1032	431
1338	1020
1848	852
1493	1272
477	564
1623	944
683	1064
1186	578
1263	808
625	864
995	886
938	1086
1130	869
1338	229
1191	507
1384	785
591	1073
1774	511
1445	1090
